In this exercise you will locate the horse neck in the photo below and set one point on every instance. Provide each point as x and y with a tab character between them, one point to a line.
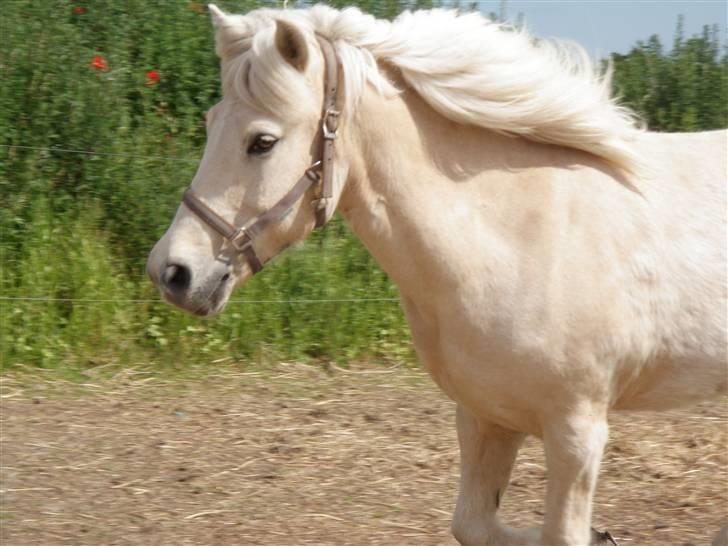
417	185
380	200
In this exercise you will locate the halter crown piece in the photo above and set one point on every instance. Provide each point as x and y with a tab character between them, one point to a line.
319	174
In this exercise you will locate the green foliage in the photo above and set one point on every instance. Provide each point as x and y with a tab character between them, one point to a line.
92	167
67	258
77	227
683	90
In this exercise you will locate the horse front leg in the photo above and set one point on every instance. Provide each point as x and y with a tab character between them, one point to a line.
574	445
487	454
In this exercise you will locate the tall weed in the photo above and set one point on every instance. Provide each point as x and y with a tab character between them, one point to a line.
93	161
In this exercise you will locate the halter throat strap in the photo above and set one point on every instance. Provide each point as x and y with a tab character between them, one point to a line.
319	174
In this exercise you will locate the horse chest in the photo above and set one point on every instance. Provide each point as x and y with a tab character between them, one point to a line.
477	369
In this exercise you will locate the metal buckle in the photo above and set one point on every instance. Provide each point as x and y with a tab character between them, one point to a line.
314	171
241	240
329	115
320	203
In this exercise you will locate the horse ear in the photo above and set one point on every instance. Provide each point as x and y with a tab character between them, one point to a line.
232	34
218	16
291	44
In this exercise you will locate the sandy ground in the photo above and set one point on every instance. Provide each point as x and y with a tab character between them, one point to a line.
296	454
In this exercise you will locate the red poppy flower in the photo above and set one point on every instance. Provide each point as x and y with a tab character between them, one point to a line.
79	10
99	63
152	77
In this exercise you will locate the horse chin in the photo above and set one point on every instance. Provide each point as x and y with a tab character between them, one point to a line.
209	309
203	303
217	300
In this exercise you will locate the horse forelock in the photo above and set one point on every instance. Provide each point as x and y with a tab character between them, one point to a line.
253	71
257	75
467	68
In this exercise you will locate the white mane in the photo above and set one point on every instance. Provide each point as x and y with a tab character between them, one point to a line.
464	66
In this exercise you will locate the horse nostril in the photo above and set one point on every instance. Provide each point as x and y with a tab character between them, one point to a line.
176	278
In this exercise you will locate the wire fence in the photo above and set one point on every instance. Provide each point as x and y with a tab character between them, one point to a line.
83	301
159	301
106	154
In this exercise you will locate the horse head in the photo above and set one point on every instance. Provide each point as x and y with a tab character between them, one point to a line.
266	178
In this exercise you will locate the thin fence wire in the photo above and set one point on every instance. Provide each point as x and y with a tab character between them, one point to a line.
159	301
43	299
106	154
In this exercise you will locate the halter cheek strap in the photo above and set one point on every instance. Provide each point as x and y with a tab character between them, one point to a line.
241	239
319	174
329	128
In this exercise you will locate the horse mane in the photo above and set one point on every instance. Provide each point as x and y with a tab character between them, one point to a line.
466	67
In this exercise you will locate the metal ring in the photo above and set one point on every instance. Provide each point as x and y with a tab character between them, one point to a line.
235	240
330	134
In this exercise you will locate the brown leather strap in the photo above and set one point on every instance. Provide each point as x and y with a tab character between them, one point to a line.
210	217
242	238
278	211
329	126
320	172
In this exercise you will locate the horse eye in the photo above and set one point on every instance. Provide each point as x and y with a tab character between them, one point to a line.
262	144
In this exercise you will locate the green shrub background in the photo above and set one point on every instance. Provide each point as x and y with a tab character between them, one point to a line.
93	164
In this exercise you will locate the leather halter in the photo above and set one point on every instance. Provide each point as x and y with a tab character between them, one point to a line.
319	174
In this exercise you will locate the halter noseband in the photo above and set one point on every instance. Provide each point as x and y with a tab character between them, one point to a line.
320	174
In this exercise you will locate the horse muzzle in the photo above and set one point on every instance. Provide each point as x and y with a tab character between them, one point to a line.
201	291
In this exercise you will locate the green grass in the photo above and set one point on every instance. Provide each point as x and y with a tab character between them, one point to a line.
69	258
78	226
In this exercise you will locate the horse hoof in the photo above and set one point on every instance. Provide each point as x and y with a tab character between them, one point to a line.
602	539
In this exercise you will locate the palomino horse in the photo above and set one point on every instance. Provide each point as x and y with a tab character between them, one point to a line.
555	261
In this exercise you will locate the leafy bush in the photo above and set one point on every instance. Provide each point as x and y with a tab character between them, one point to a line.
101	128
685	89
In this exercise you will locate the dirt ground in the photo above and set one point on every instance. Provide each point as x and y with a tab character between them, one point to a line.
300	454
